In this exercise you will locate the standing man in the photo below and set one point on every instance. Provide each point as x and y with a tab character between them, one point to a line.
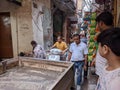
78	54
104	22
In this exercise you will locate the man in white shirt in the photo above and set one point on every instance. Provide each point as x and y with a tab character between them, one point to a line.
78	54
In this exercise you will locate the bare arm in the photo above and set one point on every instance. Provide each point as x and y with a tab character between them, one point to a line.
86	57
93	62
69	56
85	62
63	52
66	48
53	46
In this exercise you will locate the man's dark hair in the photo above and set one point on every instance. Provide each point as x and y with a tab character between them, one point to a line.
105	17
111	38
76	35
33	42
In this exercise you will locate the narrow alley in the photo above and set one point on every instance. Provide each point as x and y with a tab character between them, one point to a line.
59	44
90	83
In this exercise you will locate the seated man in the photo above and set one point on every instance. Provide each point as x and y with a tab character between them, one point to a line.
60	45
38	50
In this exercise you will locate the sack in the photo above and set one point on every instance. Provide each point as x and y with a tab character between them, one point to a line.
56	51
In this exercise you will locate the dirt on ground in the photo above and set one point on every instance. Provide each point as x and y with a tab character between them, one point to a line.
26	78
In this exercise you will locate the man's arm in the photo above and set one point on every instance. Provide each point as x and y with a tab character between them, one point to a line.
63	52
66	48
93	62
85	62
53	46
69	56
70	53
86	57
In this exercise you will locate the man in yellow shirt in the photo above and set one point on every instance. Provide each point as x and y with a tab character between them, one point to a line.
60	44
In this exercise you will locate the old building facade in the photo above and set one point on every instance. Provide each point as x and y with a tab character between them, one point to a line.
21	24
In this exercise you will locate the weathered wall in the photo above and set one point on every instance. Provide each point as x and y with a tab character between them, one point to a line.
42	23
24	22
21	25
29	23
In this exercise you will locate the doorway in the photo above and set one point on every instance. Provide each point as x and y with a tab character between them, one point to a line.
58	20
6	50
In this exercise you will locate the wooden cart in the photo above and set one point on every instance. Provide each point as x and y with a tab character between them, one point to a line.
35	74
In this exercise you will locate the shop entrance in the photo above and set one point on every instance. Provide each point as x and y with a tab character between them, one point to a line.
6	50
58	19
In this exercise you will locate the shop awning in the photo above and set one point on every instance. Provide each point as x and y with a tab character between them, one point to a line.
67	6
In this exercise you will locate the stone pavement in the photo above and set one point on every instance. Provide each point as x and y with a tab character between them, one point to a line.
90	82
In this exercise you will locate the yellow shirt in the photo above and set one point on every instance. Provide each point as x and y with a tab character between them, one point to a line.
62	46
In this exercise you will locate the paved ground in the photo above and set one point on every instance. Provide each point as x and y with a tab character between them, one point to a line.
90	82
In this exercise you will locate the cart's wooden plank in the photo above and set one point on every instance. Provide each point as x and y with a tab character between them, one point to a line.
58	63
8	64
43	66
65	81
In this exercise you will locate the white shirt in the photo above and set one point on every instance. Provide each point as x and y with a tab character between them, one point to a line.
78	51
100	63
39	52
109	80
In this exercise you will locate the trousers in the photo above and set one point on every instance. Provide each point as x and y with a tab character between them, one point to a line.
78	66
